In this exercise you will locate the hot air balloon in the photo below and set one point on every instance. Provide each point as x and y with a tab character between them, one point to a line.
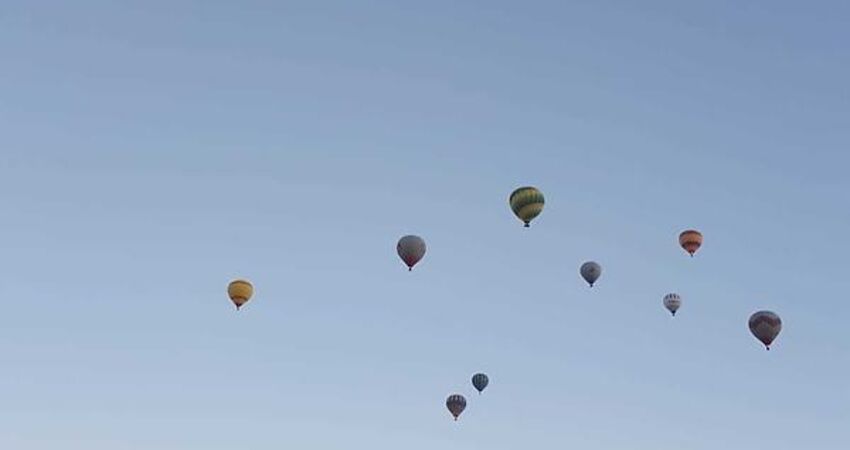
456	404
527	203
691	241
672	302
590	271
480	381
411	249
765	326
240	291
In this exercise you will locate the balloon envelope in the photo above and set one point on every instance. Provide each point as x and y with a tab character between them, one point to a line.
526	203
240	291
590	271
456	404
672	302
480	381
411	249
691	241
765	326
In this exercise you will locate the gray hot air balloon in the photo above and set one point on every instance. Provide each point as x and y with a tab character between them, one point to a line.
765	326
480	381
411	249
672	302
590	271
456	404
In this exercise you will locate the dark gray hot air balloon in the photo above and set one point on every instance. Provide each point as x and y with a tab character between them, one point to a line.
765	326
411	249
672	302
480	381
456	404
590	271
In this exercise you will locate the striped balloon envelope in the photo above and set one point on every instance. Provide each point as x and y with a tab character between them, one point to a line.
456	404
526	203
480	382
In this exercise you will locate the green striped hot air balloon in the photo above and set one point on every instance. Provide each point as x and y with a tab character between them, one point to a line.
526	203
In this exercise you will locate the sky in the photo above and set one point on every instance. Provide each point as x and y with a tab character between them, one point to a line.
152	151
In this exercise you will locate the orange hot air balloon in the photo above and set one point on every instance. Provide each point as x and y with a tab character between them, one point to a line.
691	241
240	291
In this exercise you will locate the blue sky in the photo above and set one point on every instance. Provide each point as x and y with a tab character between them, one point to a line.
152	151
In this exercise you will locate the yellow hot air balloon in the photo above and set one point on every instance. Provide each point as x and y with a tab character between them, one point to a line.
240	291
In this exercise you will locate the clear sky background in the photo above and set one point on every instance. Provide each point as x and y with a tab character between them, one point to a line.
152	151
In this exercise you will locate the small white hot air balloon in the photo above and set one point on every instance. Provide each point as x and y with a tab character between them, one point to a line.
672	302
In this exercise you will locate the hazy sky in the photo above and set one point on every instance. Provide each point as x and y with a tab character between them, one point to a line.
152	151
